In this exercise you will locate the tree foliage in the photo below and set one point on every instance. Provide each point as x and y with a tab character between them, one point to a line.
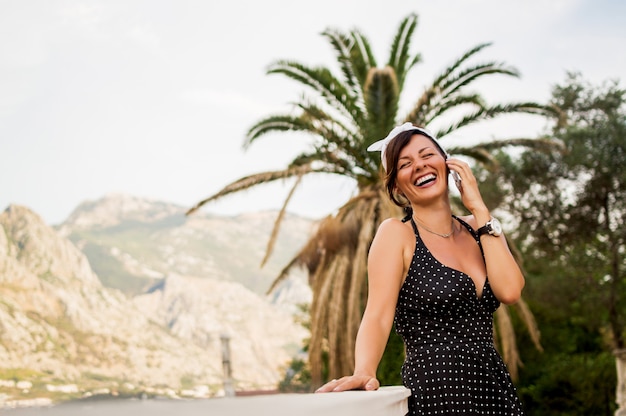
571	208
572	205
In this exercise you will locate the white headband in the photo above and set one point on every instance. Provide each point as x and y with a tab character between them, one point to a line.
381	145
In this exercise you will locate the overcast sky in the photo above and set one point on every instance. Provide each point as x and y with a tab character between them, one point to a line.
153	98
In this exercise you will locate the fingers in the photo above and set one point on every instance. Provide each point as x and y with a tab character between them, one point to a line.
350	383
465	172
327	387
470	194
372	384
460	167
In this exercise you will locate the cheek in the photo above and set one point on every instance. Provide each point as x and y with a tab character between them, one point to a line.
403	180
403	175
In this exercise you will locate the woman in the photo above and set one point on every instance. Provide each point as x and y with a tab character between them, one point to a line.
439	278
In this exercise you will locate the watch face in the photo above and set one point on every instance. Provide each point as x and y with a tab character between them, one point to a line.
496	227
492	227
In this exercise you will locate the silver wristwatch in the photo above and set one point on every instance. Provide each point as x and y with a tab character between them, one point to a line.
492	227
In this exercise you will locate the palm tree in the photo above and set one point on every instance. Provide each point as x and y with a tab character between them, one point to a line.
345	114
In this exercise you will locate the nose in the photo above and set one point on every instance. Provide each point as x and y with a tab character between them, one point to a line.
420	164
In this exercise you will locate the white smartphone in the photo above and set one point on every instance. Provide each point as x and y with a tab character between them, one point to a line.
457	178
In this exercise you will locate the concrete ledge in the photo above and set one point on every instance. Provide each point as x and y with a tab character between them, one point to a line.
387	401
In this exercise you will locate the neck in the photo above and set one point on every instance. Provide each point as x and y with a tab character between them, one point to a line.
435	220
433	215
435	232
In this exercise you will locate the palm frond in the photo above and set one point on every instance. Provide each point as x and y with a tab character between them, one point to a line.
448	71
321	81
449	83
446	104
454	82
489	112
361	56
333	163
284	274
336	323
356	59
322	290
331	134
400	54
347	59
422	106
328	235
483	153
477	153
279	219
508	346
329	129
357	286
381	99
254	180
309	258
275	123
542	144
529	321
346	239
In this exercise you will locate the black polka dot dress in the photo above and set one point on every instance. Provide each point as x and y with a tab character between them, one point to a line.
451	364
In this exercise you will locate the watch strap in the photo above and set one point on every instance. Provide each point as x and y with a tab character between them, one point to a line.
485	229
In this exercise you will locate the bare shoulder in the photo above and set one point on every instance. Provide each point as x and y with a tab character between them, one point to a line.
394	232
394	227
390	254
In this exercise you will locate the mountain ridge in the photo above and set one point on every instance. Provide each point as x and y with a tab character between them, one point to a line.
144	240
60	324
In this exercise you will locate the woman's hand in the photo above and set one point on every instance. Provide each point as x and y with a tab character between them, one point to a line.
470	195
355	382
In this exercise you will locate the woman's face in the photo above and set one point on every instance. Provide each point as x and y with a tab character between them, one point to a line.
422	170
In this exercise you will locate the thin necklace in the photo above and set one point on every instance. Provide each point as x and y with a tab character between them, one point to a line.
435	232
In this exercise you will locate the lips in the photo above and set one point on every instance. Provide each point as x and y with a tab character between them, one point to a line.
423	180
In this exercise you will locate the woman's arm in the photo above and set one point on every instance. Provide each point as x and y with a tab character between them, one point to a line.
385	268
505	277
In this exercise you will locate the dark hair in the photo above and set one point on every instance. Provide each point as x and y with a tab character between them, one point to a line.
392	154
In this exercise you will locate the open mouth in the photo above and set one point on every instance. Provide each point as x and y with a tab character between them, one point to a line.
423	180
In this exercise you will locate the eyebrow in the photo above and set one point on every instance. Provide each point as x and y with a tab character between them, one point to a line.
423	149
426	148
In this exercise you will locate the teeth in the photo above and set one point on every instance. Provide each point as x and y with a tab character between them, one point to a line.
424	178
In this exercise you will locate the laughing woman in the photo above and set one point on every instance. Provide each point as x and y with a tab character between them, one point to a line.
439	278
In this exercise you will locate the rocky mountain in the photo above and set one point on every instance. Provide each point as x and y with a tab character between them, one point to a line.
60	325
132	243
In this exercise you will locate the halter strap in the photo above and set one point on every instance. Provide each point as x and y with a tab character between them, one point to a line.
409	217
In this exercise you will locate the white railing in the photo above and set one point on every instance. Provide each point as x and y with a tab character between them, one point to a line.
387	401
